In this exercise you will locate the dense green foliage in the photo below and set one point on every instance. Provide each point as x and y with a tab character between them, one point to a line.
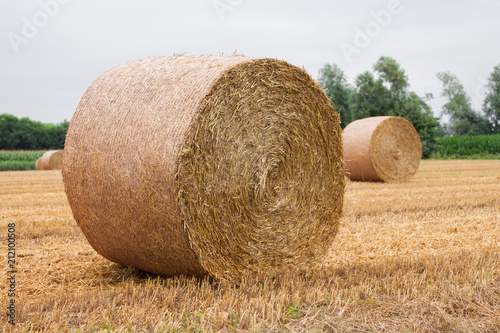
417	112
491	106
26	134
19	160
385	92
334	82
381	93
479	146
463	119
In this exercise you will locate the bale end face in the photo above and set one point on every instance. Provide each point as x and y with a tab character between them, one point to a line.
262	171
381	149
52	160
38	165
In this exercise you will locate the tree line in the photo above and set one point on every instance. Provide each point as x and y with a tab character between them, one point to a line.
26	134
385	92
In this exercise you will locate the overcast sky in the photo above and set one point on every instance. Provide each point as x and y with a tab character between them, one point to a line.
52	50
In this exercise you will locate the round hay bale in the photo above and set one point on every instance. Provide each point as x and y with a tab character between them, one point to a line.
51	160
38	165
381	149
206	165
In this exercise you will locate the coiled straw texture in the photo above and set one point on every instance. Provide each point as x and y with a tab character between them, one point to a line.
51	160
206	165
384	149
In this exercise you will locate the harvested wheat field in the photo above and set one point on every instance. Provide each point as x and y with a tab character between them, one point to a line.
422	256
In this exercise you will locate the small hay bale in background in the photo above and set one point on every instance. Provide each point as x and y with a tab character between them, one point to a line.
38	165
381	149
51	160
206	165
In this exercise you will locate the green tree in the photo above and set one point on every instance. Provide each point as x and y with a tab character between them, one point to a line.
491	106
463	119
62	129
371	98
31	134
334	82
51	137
419	113
378	96
9	127
19	134
391	73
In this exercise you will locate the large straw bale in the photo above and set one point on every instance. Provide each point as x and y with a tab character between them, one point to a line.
206	165
51	160
381	149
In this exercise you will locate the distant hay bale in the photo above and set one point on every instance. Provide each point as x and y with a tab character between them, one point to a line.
38	165
206	165
51	160
381	149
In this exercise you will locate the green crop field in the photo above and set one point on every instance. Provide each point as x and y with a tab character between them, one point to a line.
472	147
19	159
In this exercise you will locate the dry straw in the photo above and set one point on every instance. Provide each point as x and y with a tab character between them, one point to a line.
38	165
381	149
206	165
51	160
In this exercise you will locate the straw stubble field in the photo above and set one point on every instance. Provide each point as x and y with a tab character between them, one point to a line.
414	257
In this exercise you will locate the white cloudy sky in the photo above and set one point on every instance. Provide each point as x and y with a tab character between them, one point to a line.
45	76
